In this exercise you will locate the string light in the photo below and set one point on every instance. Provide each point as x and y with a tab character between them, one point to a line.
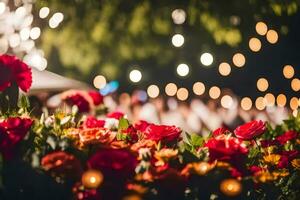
261	28
226	101
56	19
272	36
182	94
269	99
288	71
92	179
199	88
246	103
206	59
25	34
262	84
99	82
294	103
35	33
153	91
214	92
171	89
183	69
178	40
239	60
281	100
224	69
178	16
44	12
295	84
260	103
254	44
135	75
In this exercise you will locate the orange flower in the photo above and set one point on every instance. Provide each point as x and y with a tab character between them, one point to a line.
96	136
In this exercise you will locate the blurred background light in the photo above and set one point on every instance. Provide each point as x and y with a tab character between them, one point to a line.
182	94
254	44
262	84
171	89
153	91
44	12
135	75
269	99
288	71
260	103
239	60
224	69
206	59
99	82
272	36
294	103
178	16
183	69
281	100
214	92
178	40
261	28
246	103
2	7
199	88
226	101
35	33
295	84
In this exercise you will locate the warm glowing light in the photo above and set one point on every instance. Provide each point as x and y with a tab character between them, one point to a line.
171	89
44	12
178	16
254	44
153	91
35	33
92	179
262	84
260	103
2	7
183	69
246	103
35	59
56	19
206	59
199	88
178	40
14	40
202	168
224	69
294	103
214	92
261	28
269	99
288	71
135	75
295	84
24	34
272	36
239	60
231	187
295	113
99	82
182	94
281	100
226	101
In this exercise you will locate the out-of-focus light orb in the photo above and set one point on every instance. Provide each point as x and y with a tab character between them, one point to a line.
214	92
183	69
231	187
295	113
171	89
272	36
178	16
92	179
35	33
182	94
288	71
14	40
269	99
294	103
44	12
254	44
177	40
262	84
24	34
239	60
199	88
99	82
226	101
246	103
153	91
20	12
224	69
260	103
135	75
295	84
281	100
261	28
3	45
2	7
206	59
56	19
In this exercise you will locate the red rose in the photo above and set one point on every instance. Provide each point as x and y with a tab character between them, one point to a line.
115	115
162	133
115	164
289	135
97	97
12	131
226	148
250	130
255	169
13	70
78	100
141	126
286	157
220	131
62	164
92	122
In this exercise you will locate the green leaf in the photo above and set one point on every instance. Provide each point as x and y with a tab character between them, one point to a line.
196	140
24	102
123	125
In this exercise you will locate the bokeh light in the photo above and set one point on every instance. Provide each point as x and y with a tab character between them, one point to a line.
214	92
262	84
171	89
246	103
182	94
178	40
178	16
153	91
183	69
224	69
295	113
239	60
260	103
281	100
2	7
272	36
226	101
35	33
294	103
135	75
288	71
44	12
295	84
254	44
99	82
269	99
261	28
92	179
56	19
199	88
25	34
206	59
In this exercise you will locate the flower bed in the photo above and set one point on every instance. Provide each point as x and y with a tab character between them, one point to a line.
68	155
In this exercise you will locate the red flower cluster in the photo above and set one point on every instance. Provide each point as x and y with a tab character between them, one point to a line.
92	122
284	138
12	71
12	131
250	130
